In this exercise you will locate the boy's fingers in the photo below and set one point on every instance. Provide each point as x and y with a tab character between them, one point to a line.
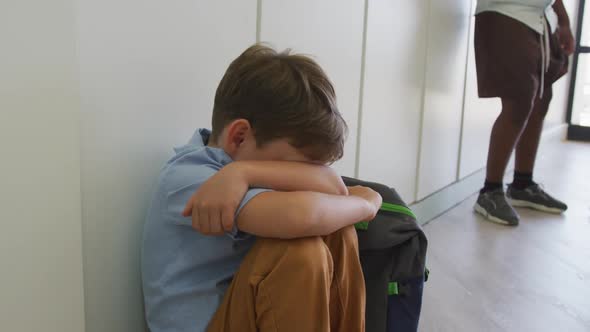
204	221
215	222
195	221
227	219
188	208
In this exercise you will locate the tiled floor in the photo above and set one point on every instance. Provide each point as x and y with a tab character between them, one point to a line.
536	277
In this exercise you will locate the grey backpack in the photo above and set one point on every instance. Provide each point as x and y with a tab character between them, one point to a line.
393	257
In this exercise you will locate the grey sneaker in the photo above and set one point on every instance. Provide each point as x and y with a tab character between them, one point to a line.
494	207
535	197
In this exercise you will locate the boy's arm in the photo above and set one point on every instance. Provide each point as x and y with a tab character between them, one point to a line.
291	176
214	204
300	214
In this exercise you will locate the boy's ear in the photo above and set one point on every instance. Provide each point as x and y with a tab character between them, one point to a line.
236	133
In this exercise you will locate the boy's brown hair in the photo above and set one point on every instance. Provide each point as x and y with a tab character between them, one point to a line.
282	95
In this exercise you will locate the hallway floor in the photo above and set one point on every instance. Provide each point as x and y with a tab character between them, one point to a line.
535	277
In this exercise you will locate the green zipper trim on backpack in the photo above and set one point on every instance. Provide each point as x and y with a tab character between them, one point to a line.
364	225
397	208
392	288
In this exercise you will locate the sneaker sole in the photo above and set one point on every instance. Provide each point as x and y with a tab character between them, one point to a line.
479	209
534	206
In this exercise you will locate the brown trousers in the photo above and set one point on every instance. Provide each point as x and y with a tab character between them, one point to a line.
304	285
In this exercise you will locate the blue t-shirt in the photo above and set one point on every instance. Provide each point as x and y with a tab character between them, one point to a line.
184	273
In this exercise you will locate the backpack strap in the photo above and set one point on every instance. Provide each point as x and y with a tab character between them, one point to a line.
393	288
403	288
399	288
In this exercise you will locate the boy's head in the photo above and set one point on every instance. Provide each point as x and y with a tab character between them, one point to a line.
277	106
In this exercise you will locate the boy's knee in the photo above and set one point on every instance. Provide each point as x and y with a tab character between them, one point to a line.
310	255
348	235
303	255
307	255
344	239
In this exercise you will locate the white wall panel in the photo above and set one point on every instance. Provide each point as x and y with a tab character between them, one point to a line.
331	31
149	70
40	242
394	78
443	94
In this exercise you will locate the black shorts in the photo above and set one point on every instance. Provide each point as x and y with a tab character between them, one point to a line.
508	57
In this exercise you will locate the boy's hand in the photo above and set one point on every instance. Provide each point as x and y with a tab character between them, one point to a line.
369	195
213	205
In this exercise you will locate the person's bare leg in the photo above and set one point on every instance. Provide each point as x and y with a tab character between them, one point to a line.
528	145
505	134
523	191
491	202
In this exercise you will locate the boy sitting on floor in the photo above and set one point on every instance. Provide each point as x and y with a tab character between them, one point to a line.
270	246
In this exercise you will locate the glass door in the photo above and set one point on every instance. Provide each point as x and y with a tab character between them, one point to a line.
578	113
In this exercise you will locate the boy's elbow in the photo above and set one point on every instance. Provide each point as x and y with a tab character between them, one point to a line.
341	188
338	184
332	183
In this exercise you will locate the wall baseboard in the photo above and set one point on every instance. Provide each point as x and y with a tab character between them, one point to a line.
445	199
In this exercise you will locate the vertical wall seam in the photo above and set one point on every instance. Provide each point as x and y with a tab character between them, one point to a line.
258	19
469	35
361	92
422	108
80	124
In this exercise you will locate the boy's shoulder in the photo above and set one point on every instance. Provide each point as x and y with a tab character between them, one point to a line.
193	162
192	165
